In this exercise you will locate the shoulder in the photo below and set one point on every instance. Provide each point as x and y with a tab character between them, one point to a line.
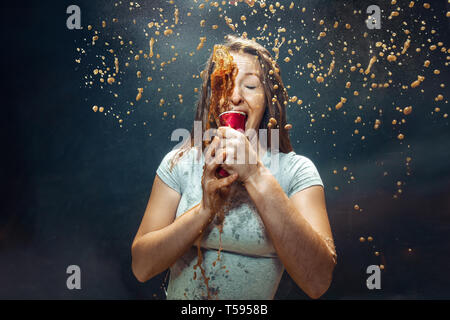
294	160
182	159
300	169
173	167
180	156
301	172
171	154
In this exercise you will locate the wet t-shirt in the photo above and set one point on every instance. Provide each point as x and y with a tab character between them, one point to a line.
247	266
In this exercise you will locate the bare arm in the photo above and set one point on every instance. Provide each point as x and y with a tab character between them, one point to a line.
299	230
298	227
161	239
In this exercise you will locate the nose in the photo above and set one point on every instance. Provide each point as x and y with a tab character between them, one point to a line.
236	97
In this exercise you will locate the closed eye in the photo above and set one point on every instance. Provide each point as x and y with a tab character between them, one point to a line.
250	87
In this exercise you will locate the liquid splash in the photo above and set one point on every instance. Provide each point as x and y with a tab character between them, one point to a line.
385	79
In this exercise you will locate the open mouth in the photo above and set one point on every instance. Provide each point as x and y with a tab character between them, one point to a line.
234	111
235	119
240	111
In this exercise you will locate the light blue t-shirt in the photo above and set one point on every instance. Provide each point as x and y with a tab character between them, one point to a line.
249	267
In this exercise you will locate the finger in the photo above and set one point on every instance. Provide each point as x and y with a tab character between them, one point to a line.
216	162
213	146
224	182
231	147
228	132
211	150
225	132
221	155
228	143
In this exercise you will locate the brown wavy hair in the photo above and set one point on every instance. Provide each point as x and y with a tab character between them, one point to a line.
276	97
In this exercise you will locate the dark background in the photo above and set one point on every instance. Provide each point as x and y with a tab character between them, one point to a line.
76	185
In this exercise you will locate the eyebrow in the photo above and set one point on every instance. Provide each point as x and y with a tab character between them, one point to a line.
251	73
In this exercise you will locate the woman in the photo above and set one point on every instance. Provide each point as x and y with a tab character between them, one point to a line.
274	220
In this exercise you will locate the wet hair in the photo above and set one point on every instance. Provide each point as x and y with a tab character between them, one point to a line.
276	97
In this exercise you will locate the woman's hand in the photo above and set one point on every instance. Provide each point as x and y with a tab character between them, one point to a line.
215	190
241	157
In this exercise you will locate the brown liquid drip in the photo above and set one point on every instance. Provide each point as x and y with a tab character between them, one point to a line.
222	82
199	264
220	207
220	227
222	85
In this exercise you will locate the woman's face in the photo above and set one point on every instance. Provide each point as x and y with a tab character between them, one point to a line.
248	94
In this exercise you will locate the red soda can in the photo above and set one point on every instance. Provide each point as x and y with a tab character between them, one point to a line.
235	120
